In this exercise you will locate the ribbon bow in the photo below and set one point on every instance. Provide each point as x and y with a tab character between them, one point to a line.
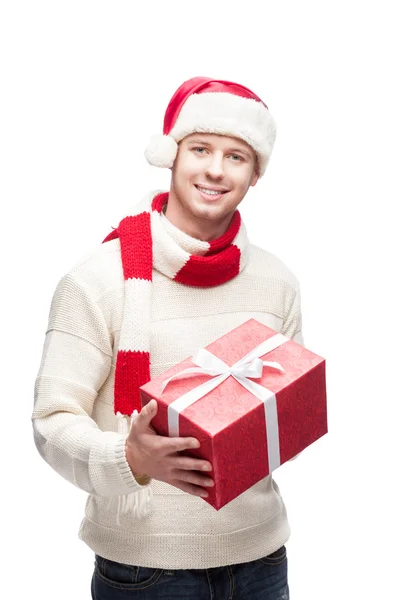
247	368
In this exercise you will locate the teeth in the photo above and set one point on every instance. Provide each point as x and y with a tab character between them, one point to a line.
210	192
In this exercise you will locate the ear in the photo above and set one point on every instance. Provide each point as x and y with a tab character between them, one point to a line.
256	173
255	176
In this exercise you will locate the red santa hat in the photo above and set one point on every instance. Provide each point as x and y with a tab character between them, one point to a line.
207	105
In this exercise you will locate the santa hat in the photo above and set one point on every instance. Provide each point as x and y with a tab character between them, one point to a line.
207	105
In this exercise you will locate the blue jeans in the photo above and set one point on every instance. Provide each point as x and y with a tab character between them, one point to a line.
262	579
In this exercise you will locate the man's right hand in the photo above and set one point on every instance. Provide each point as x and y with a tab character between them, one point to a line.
157	456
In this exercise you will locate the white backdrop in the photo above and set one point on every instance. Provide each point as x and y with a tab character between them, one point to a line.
84	85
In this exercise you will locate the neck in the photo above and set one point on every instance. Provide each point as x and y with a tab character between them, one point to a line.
200	228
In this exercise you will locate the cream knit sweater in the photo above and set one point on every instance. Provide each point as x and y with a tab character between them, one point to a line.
75	428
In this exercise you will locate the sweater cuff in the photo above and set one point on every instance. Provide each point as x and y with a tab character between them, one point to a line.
135	482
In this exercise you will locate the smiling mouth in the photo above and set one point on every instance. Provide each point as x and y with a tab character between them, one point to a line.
210	191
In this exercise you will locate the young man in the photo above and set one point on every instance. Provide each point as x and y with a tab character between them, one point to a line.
176	274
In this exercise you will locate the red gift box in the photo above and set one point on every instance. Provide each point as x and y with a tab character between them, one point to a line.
256	417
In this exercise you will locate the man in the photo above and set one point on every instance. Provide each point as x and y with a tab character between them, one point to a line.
175	275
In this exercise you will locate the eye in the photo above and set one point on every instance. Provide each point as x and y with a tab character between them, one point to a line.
236	157
199	150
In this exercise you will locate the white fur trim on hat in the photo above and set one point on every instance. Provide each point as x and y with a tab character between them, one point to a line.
161	151
224	114
228	114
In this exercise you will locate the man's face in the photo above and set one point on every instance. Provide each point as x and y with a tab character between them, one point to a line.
210	176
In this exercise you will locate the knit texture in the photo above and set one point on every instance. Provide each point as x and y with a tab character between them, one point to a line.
74	423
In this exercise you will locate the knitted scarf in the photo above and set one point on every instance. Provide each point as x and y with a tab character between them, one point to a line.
145	244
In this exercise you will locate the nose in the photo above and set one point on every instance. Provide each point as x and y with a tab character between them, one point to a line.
214	168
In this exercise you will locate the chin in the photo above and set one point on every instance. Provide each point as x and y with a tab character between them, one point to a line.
212	208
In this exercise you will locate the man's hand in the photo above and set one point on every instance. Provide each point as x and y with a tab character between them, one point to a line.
157	456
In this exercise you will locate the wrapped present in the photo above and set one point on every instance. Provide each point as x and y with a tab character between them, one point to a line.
253	398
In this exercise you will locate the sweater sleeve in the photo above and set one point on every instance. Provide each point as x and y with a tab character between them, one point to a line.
292	327
76	361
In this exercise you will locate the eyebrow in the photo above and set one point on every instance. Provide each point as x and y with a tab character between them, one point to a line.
240	150
204	143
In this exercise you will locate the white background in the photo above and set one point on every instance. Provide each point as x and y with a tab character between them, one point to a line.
84	85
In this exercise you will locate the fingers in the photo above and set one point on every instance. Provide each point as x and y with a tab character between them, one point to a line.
194	478
178	444
146	414
164	443
158	456
194	490
191	464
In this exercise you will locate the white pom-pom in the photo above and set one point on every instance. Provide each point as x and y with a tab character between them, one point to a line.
161	151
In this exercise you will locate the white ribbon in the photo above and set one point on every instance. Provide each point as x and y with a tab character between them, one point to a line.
249	366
